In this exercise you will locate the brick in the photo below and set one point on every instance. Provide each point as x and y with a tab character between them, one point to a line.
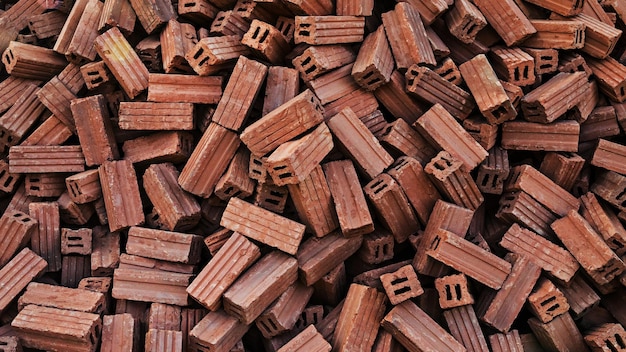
176	40
546	301
605	222
293	161
377	247
553	259
217	331
32	62
76	241
212	54
155	116
96	74
395	99
611	77
562	168
216	147
271	197
401	139
449	71
236	104
374	63
581	239
95	130
544	104
158	340
546	59
511	341
60	297
52	131
501	308
246	299
453	291
127	261
17	273
556	34
361	145
117	13
177	209
483	132
484	267
540	187
392	205
55	329
47	25
12	88
446	174
463	325
352	211
229	23
105	253
444	216
266	41
283	124
21	117
119	333
507	20
160	147
312	200
601	122
608	186
439	127
151	286
18	228
367	306
600	38
490	96
407	36
606	337
164	317
282	85
331	287
320	30
122	61
493	171
178	88
465	21
43	159
418	189
219	269
118	179
73	269
557	335
309	339
282	315
556	136
164	245
431	87
319	256
244	218
412	327
84	187
73	213
401	285
334	85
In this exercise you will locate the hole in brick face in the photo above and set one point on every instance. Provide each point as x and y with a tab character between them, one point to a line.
578	38
485	180
620	341
494	181
525	73
189	4
448	293
276	194
8	181
609	344
516	74
545	66
553	308
621	91
256	32
399	281
272	201
311	69
198	53
264	36
374	81
285	175
457	290
402	290
617	244
97	80
547	301
435	243
287	29
304	33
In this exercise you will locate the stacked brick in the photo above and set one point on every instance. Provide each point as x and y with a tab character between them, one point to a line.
312	175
